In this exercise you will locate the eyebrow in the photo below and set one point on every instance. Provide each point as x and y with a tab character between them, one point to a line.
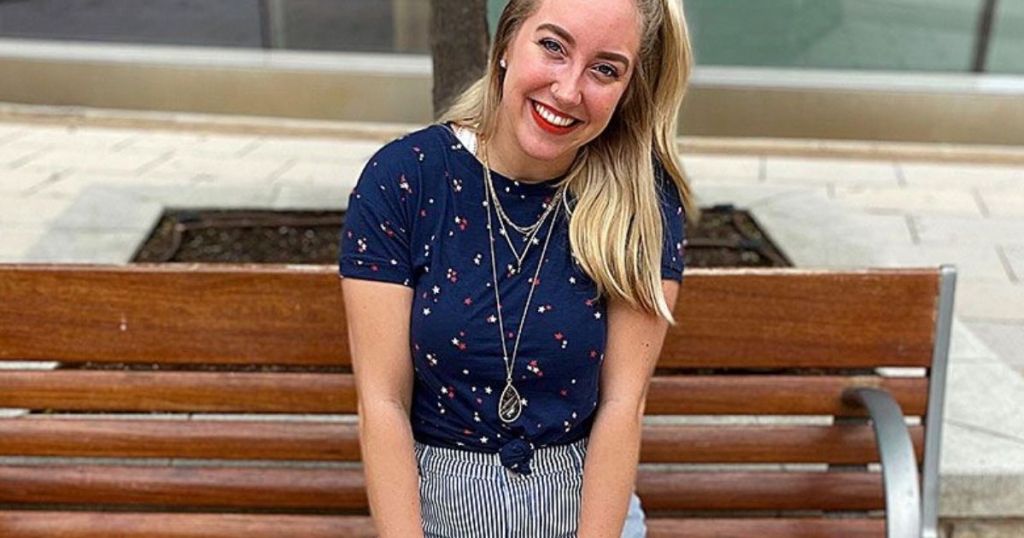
564	34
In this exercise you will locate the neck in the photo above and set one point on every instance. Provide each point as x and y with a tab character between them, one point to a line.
507	158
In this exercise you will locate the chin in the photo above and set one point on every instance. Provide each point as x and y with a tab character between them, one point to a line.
542	146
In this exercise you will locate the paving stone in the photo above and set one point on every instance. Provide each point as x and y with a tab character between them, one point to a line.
814	231
330	149
966	347
73	184
170	191
17	182
1005	338
710	192
12	156
16	241
974	261
988	529
220	145
987	396
83	160
837	171
961	175
10	134
85	246
964	231
212	168
185	142
969	449
1015	257
723	167
226	193
982	475
89	211
986	300
8	128
328	196
1004	202
30	211
78	137
311	172
921	201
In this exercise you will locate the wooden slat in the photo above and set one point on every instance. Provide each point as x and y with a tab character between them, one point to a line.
776	395
797	317
202	439
766	528
660	490
196	487
203	313
846	444
276	314
52	524
343	489
327	441
83	390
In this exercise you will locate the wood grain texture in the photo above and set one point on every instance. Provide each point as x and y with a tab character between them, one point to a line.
225	392
275	314
328	441
765	528
52	524
202	488
172	313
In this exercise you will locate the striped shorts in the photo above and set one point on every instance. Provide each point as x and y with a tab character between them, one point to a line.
466	494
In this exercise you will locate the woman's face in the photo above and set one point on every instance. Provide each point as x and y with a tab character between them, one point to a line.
568	67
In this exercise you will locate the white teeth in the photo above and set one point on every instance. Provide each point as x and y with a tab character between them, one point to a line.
552	117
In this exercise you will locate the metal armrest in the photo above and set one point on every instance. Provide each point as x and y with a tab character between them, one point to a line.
899	465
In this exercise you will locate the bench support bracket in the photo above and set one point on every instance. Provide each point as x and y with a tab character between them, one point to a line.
899	465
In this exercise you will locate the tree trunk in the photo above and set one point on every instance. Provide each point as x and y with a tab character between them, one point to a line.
458	44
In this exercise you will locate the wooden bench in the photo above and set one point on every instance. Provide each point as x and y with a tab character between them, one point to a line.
140	452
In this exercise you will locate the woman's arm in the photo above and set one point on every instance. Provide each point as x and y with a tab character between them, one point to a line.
609	476
377	316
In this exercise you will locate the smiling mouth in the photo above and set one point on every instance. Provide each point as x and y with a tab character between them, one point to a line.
550	120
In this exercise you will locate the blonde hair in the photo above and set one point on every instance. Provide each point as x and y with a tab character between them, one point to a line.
615	229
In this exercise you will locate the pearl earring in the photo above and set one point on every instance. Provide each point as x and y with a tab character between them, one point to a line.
503	64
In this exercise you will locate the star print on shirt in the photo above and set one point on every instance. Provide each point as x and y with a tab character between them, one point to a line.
406	228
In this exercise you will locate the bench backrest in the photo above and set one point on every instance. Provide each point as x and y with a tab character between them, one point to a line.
178	365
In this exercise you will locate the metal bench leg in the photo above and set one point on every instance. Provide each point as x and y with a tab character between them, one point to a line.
899	465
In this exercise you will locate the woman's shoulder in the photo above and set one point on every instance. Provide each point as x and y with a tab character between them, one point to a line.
412	149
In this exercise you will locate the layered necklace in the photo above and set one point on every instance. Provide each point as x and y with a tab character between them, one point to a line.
510	403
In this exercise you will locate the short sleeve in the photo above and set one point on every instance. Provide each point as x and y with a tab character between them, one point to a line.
674	234
376	235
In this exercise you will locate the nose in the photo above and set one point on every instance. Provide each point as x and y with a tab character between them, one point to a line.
566	90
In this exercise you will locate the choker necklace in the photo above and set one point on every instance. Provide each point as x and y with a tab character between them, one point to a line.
510	403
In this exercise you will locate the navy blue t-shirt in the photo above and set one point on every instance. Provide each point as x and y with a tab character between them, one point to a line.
417	217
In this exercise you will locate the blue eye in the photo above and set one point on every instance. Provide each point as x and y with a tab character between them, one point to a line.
551	45
608	71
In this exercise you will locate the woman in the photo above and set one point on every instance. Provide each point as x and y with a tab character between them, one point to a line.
535	235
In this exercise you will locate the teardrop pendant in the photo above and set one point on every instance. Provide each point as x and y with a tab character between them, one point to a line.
510	405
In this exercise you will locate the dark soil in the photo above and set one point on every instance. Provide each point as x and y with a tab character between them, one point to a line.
725	237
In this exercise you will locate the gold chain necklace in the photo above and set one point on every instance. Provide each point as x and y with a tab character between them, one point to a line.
510	403
531	238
